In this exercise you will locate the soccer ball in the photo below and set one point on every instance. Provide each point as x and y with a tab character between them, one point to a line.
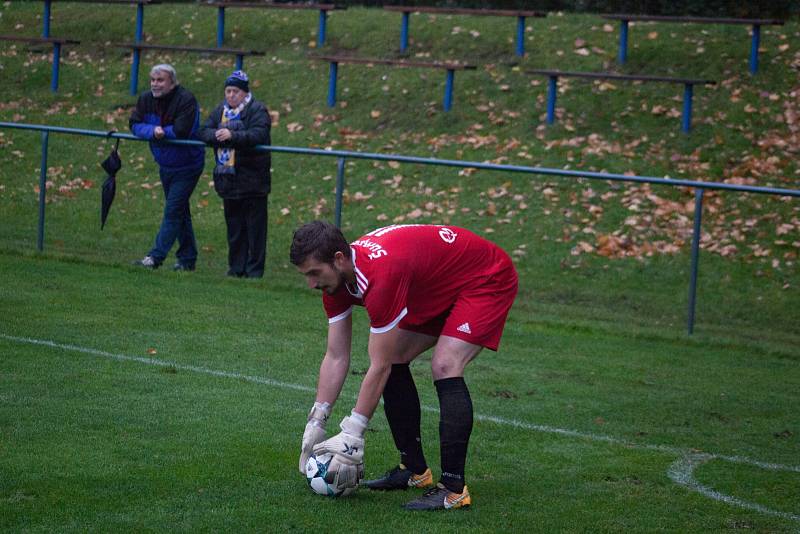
325	479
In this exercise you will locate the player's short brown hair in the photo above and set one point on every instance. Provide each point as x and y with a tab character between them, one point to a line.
318	239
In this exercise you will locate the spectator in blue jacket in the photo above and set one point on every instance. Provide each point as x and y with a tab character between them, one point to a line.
168	111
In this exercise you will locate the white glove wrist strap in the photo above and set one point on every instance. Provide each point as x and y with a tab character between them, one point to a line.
319	413
355	424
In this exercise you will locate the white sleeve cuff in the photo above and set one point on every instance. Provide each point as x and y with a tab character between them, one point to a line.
391	325
343	315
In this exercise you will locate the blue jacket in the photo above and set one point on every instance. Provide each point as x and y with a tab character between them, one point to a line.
178	114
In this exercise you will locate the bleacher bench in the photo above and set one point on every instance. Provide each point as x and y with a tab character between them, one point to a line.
756	24
138	47
139	13
688	84
57	44
520	14
450	67
323	14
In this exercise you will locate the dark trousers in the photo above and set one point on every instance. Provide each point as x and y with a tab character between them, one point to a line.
176	223
246	219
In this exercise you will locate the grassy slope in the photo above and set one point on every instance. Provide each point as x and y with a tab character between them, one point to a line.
495	118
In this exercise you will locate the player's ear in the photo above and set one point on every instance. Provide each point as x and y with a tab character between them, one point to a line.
339	259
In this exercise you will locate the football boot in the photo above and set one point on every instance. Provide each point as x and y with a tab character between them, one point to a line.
440	498
400	478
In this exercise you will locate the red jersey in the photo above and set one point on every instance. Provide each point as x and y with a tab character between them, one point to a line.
415	273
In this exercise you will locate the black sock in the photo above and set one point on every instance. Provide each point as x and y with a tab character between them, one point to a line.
455	426
401	404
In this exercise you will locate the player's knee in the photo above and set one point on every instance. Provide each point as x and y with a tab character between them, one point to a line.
445	368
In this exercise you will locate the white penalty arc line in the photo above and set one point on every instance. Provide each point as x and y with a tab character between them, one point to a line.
681	471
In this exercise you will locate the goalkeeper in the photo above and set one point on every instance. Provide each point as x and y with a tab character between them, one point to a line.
423	286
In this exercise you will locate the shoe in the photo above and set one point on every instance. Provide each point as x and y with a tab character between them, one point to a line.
440	498
182	267
148	262
400	478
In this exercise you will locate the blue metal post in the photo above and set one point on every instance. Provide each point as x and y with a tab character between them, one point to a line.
552	89
754	48
56	65
139	22
220	26
46	21
323	20
332	84
42	189
135	71
688	90
622	55
239	62
698	216
404	32
339	191
448	90
520	36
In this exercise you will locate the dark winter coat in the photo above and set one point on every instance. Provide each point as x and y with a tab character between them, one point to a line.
252	177
178	114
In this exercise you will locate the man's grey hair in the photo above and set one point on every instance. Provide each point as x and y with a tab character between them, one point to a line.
169	69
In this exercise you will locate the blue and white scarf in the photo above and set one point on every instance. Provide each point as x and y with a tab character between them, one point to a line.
226	156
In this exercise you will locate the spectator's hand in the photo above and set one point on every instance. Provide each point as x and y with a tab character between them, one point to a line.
158	132
223	134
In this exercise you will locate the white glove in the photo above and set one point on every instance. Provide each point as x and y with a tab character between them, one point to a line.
348	445
315	431
347	475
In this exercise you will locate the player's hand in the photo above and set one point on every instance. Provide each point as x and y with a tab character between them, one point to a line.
158	132
315	431
348	445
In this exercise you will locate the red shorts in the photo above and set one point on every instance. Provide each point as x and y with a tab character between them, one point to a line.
479	313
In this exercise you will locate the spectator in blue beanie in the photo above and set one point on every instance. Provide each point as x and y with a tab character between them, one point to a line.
241	173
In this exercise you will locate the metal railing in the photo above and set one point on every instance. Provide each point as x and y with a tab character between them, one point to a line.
699	186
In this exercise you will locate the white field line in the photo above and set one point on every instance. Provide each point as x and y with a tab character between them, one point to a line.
680	472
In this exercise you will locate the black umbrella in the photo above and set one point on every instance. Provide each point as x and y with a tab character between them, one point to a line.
112	164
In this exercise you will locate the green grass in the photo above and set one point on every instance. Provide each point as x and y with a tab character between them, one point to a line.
96	443
594	344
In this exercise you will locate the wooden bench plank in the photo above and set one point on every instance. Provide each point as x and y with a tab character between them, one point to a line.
397	62
57	44
467	11
323	9
688	88
40	40
697	20
520	14
449	66
127	2
182	48
616	76
756	24
276	5
138	47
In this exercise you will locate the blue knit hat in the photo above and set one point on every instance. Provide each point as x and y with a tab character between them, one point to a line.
238	79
